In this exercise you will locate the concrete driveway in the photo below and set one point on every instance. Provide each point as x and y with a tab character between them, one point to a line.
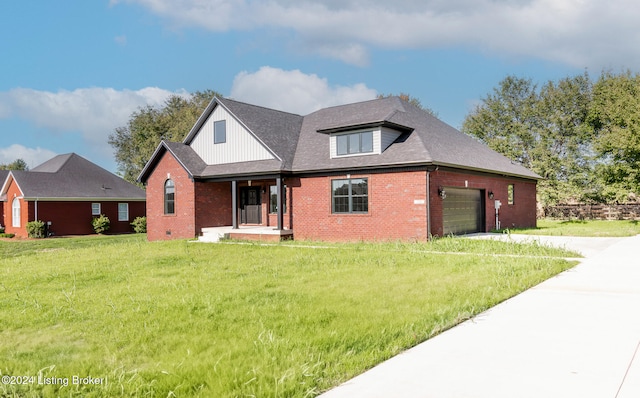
574	335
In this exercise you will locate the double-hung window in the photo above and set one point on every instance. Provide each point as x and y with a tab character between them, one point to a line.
354	143
123	211
95	209
510	194
350	195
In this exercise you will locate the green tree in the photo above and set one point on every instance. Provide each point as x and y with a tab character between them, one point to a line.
615	116
563	154
17	164
134	143
543	129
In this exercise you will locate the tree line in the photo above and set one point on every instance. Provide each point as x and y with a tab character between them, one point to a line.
18	164
582	136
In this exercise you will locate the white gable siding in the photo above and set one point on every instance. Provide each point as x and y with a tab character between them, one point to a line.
240	145
387	137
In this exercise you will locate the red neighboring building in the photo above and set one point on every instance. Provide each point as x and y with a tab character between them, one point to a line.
66	193
376	170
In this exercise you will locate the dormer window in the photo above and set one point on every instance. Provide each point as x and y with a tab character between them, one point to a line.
354	143
364	140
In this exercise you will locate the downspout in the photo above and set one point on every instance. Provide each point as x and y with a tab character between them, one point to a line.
36	210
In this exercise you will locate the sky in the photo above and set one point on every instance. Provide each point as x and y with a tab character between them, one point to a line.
72	71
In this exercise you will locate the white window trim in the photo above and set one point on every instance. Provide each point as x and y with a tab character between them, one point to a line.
93	212
15	213
377	143
127	212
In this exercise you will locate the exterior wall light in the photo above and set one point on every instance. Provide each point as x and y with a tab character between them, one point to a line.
442	193
490	194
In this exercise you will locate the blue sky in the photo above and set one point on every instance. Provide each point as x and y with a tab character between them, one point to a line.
74	70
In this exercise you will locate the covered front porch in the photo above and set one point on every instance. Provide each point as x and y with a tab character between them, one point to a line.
259	210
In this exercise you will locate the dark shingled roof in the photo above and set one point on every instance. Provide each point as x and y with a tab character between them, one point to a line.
302	143
72	177
426	140
3	178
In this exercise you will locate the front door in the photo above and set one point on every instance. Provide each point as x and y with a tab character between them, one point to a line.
250	206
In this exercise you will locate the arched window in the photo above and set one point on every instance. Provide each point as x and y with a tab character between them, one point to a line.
169	197
15	213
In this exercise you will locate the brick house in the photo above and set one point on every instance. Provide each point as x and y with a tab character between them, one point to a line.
66	192
375	170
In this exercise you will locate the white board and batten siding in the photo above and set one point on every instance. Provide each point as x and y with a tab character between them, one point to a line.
240	145
382	139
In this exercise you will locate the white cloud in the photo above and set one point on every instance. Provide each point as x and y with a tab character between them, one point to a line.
93	112
294	91
32	156
582	33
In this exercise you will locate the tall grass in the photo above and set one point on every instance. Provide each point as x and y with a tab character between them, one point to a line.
187	319
585	228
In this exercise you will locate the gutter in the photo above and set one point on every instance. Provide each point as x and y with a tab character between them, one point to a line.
76	199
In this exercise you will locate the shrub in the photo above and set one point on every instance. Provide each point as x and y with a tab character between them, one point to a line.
1	229
3	235
35	229
139	225
101	224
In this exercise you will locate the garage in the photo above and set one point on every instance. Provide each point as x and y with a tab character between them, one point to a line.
463	211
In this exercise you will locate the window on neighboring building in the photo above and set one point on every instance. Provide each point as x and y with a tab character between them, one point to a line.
169	197
123	211
273	199
95	209
350	195
348	144
220	132
15	213
510	198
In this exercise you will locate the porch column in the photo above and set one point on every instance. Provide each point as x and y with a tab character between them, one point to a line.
279	202
234	204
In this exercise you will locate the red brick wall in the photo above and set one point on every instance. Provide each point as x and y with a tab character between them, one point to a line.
12	192
182	224
74	218
213	205
521	214
397	209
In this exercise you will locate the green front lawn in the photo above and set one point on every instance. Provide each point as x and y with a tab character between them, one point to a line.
216	320
588	228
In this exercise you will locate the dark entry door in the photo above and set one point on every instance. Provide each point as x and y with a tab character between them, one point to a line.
250	206
463	211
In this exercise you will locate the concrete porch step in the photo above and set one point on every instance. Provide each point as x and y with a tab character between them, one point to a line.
215	234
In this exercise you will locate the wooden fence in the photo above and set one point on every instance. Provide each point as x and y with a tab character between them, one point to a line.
628	211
